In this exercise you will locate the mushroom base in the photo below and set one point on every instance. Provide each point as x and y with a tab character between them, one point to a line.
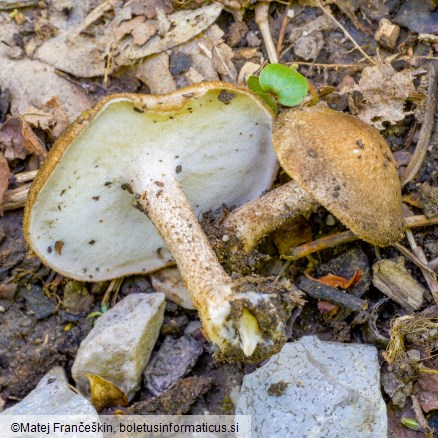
269	303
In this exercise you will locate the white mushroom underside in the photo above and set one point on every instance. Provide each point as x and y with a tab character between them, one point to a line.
84	225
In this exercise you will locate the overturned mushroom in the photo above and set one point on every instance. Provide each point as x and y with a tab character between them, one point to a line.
338	161
203	146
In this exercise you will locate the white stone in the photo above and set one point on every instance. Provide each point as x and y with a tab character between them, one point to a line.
52	396
119	346
331	389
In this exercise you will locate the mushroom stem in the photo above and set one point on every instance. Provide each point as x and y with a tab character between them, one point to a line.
256	219
231	319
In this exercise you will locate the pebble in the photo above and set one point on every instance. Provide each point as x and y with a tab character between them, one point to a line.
174	360
119	346
52	396
314	389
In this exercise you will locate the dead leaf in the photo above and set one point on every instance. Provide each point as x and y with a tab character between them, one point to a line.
51	118
4	179
31	142
338	281
11	140
17	140
184	26
141	30
105	394
149	8
86	57
385	92
154	72
427	392
33	83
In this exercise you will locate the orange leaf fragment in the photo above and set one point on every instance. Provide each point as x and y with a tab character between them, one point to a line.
338	281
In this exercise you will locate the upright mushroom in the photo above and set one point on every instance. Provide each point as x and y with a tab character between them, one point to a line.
200	146
336	160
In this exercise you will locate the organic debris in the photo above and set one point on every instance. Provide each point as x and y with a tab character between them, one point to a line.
385	92
412	331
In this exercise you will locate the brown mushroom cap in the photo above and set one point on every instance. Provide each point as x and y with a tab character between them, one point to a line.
346	166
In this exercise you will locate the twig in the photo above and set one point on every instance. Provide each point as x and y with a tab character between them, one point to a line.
430	278
323	292
23	177
283	28
433	264
426	129
347	237
16	198
320	244
346	33
420	221
412	257
419	415
114	286
94	15
335	66
261	18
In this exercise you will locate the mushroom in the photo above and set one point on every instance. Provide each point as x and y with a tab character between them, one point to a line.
201	146
336	160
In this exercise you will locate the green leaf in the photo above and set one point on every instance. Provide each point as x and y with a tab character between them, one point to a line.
288	85
411	424
254	86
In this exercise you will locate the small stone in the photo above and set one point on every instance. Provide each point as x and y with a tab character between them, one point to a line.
52	396
174	360
120	344
330	220
387	33
308	46
253	40
170	282
180	62
173	325
38	302
327	389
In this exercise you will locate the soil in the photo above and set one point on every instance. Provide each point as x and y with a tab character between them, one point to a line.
38	331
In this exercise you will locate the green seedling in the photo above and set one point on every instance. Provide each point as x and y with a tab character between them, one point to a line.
279	83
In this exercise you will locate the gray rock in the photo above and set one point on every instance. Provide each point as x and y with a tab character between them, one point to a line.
314	389
174	359
120	344
52	396
37	302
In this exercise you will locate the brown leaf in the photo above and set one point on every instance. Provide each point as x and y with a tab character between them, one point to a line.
31	142
4	179
143	33
17	140
11	140
149	8
105	394
385	92
338	281
51	118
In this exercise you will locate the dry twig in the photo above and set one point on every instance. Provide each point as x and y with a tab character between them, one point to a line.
426	129
346	33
